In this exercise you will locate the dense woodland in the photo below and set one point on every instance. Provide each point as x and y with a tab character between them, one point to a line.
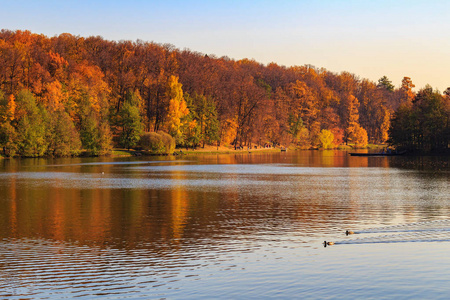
64	94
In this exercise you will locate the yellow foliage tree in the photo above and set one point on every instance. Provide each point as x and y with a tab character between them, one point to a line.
7	108
177	108
228	131
11	107
304	138
326	138
385	126
358	136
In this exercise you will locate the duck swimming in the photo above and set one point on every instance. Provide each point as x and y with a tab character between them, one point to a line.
325	243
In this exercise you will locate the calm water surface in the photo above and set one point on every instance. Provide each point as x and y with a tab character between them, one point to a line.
247	226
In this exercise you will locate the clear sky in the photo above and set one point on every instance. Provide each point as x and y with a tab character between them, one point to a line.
368	38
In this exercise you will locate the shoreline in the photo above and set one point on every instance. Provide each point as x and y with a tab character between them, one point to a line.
198	151
212	150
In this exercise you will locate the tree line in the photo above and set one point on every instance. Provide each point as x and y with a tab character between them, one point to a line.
422	125
66	93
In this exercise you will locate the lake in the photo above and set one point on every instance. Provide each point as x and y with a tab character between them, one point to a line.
247	226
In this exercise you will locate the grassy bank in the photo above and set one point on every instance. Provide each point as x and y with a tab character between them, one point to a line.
224	150
221	150
184	151
228	150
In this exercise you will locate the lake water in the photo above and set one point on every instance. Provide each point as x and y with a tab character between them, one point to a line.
247	226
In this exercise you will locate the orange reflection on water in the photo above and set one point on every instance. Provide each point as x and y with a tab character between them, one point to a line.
180	210
179	205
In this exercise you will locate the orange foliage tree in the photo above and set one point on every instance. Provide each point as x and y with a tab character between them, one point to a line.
87	79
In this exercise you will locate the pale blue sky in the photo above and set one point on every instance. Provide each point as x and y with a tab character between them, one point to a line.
368	38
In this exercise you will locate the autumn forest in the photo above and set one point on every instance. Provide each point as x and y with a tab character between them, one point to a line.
66	94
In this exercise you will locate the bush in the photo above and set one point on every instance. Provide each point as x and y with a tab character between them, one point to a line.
158	143
151	141
169	142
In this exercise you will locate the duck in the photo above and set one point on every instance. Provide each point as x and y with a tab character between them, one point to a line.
325	243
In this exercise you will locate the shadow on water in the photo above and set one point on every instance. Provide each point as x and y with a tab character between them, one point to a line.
437	164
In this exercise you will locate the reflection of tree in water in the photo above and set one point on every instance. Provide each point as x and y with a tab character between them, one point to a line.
248	203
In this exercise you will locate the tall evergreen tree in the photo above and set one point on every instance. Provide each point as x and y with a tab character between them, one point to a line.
129	119
31	126
386	84
202	109
64	139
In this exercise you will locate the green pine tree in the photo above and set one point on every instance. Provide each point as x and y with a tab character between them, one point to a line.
130	120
